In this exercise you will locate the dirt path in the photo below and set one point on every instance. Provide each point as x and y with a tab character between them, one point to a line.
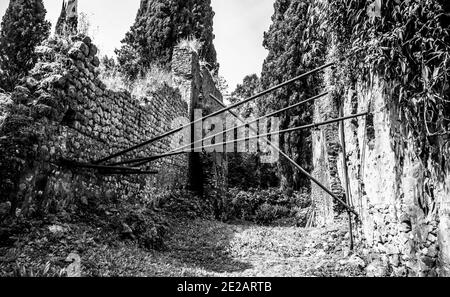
217	249
203	248
210	248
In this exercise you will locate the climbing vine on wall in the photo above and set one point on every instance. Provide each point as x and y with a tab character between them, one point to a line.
407	43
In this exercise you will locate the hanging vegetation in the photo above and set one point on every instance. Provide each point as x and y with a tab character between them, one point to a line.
407	44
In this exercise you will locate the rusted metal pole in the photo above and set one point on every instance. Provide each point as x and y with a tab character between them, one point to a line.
144	161
189	146
296	165
316	125
282	131
75	164
169	133
130	173
346	178
245	123
309	126
349	208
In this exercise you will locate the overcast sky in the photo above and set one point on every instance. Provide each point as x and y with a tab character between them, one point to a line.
239	26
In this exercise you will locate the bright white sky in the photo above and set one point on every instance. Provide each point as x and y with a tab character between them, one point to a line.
239	26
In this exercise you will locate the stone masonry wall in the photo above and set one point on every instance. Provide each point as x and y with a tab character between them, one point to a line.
401	200
63	110
404	204
207	170
327	162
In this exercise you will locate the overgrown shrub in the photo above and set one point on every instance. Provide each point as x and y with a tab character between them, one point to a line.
145	86
265	206
130	220
148	227
268	213
245	171
245	204
186	204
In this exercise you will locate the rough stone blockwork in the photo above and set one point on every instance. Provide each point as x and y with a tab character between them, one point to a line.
326	150
207	170
404	204
65	111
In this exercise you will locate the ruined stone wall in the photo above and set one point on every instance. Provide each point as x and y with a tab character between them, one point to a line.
207	170
63	110
326	150
403	203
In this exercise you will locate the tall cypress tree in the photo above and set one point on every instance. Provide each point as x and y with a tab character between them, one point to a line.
23	28
294	48
159	25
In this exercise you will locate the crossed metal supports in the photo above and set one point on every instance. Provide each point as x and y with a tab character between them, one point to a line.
115	168
264	136
107	169
216	113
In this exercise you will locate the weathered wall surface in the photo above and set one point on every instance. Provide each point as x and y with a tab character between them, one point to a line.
403	203
64	111
326	150
207	170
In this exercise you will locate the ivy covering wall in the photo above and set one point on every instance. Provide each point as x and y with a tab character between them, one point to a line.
405	43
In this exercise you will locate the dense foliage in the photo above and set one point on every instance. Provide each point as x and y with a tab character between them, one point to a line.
159	26
23	28
245	170
269	206
407	43
250	86
294	47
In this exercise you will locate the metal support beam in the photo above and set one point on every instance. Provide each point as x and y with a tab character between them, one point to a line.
350	209
346	178
189	146
146	160
169	133
309	126
75	164
131	173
